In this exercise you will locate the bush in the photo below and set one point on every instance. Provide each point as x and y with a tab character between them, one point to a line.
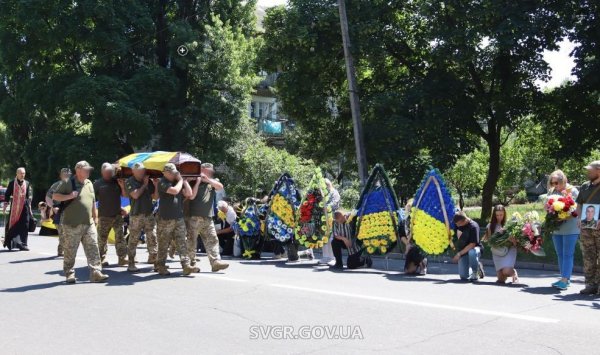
255	166
520	198
350	195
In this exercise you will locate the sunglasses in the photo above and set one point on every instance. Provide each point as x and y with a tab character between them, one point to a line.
554	183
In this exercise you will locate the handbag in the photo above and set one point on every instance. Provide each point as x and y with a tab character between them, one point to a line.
237	247
355	259
32	225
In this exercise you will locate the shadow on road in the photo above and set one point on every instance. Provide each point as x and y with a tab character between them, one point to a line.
542	290
33	287
33	260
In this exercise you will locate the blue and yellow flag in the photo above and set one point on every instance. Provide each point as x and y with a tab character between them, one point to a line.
431	215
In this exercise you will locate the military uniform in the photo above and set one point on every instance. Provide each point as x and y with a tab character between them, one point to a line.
78	227
108	195
141	218
171	226
56	221
199	214
590	238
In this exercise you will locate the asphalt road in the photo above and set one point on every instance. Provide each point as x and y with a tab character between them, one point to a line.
270	307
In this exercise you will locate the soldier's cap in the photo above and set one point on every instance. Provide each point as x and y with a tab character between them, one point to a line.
107	166
170	167
138	166
83	165
208	166
593	165
65	171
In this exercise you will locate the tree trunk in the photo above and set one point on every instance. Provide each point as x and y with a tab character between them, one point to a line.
461	199
493	175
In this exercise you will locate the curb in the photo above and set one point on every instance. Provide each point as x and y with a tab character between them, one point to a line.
485	262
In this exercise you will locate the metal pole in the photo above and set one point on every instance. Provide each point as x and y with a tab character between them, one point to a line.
361	156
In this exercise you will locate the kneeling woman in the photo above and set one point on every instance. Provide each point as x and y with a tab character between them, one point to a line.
504	257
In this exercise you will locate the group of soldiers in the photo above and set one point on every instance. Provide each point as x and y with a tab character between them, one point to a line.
185	210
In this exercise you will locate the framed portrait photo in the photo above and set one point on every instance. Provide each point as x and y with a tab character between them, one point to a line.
589	216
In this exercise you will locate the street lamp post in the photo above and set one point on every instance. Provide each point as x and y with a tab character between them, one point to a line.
361	157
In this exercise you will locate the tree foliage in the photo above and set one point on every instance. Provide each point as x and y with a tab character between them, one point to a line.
255	166
435	77
97	79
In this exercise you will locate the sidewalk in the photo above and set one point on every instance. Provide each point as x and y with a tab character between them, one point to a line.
395	261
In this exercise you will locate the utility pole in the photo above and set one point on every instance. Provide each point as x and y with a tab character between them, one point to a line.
361	155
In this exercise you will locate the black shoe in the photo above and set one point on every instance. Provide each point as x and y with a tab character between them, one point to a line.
337	266
23	248
369	261
589	290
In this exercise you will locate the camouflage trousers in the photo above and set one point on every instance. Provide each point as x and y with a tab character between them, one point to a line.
60	248
136	225
169	230
87	235
204	227
590	248
105	224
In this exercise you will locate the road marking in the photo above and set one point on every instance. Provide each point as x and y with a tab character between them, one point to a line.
220	277
484	312
422	304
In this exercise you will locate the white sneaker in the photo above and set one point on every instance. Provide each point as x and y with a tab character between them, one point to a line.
309	254
325	261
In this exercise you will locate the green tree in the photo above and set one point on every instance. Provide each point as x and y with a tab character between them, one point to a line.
571	112
96	80
254	166
468	174
435	77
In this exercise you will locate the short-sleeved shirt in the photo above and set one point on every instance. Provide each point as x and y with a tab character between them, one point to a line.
470	234
143	205
203	204
79	210
585	191
108	195
170	206
569	227
51	191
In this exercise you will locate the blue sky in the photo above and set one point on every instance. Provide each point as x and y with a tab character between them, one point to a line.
559	61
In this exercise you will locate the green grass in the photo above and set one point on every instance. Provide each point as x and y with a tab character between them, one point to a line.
548	245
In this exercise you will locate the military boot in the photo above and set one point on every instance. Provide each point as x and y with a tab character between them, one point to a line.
71	278
123	261
97	276
219	265
132	267
188	270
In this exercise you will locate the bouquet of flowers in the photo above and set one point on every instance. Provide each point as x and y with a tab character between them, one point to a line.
315	218
522	232
284	200
559	209
377	216
431	215
248	229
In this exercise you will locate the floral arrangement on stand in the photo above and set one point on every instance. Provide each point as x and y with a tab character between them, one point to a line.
284	201
248	229
315	218
431	215
522	232
559	209
377	214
